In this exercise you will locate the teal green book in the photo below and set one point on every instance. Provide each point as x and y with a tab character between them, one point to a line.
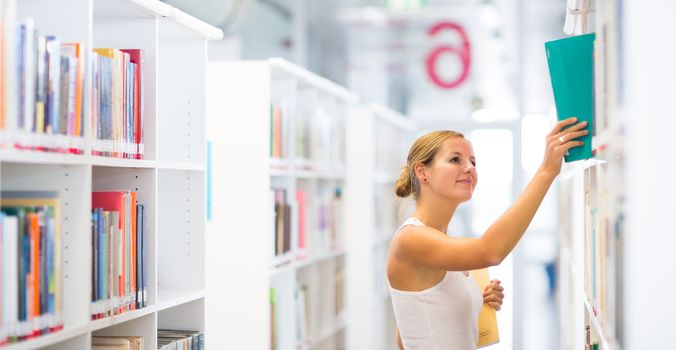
571	69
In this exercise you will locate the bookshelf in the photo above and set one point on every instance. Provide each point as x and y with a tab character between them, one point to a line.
593	198
170	180
380	141
276	252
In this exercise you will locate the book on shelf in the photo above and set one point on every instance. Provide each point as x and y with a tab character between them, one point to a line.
488	322
32	288
302	313
274	320
279	128
117	343
301	199
48	78
118	253
117	109
282	222
570	62
168	339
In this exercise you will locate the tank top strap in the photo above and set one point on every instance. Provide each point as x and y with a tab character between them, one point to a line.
410	221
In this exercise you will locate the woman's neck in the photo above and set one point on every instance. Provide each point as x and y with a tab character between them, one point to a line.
435	212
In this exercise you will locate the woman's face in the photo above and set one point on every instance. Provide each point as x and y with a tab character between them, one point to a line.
453	174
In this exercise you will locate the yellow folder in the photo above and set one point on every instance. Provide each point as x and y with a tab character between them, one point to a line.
488	322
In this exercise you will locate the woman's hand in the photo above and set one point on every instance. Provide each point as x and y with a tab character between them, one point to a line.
493	295
559	141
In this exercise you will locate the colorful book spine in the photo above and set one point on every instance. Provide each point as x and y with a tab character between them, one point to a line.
31	270
46	98
118	273
117	114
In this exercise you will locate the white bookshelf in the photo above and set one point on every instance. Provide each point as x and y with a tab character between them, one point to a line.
380	138
170	181
592	275
242	264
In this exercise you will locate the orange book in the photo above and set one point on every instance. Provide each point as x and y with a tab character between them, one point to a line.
35	262
78	51
488	322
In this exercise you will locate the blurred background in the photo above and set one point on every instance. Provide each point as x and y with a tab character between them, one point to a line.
476	66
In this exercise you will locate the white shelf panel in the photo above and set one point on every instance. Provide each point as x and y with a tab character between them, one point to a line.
606	342
121	318
49	158
31	157
298	264
107	9
284	69
48	339
131	9
325	335
168	298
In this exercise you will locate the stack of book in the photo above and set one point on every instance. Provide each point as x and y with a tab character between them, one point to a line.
31	294
117	111
179	340
117	343
119	281
43	100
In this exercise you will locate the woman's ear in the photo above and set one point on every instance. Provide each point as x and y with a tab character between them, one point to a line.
419	170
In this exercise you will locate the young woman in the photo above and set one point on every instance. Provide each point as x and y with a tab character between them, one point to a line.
435	302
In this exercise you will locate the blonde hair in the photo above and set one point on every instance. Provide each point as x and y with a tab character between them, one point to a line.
424	150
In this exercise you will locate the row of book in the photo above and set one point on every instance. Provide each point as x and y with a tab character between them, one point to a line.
117	103
169	339
314	317
46	110
318	223
43	95
320	136
32	288
119	273
117	343
604	246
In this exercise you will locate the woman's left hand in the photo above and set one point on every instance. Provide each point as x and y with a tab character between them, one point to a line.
493	294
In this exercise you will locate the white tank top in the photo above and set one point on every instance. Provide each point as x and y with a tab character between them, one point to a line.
442	317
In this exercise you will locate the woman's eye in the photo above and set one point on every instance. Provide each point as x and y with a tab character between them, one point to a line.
474	164
455	160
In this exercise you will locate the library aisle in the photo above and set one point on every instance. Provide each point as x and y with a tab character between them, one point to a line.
220	174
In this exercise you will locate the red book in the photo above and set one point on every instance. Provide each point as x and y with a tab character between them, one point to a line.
136	56
114	201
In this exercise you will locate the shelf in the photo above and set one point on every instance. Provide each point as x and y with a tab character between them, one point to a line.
606	342
131	9
33	157
325	334
109	9
284	69
296	264
168	298
48	339
50	158
95	325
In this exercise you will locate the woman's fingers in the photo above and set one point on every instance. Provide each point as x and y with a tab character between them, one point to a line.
562	124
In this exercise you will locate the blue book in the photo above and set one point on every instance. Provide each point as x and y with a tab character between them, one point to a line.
571	70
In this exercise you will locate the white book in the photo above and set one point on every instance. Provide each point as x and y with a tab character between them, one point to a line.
10	233
29	53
